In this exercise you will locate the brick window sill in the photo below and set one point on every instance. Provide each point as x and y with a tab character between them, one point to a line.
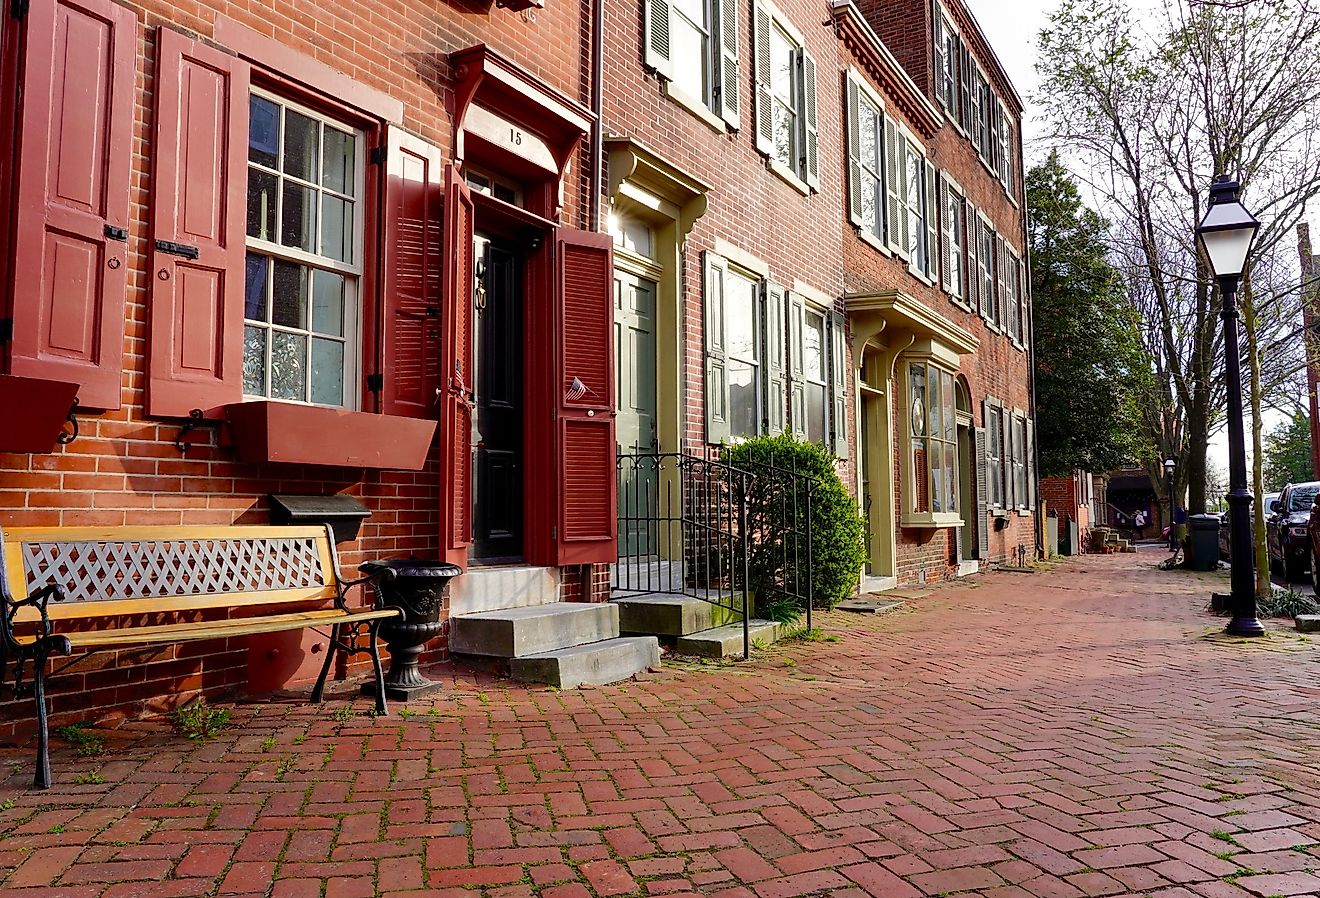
33	411
288	433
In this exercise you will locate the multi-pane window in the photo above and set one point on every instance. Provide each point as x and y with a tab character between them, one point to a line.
954	241
871	144
689	39
1020	450
304	256
1006	151
933	440
784	100
985	263
815	373
947	76
916	211
994	456
742	319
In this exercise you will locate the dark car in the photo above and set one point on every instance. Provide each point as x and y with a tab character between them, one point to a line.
1286	529
1225	536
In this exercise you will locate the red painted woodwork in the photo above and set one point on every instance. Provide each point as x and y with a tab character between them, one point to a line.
198	199
456	369
34	412
583	285
74	158
267	431
414	259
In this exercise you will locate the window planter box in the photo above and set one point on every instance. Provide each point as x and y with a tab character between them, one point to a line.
285	432
33	411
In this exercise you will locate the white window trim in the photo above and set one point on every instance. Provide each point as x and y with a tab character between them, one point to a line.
873	97
695	106
353	272
796	180
984	266
758	280
960	299
1021	500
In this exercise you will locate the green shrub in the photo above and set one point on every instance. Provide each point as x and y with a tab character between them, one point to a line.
198	721
838	532
1286	603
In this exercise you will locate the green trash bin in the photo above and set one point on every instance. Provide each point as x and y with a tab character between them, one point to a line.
1203	542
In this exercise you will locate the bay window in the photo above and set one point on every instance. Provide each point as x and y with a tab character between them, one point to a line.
931	456
304	255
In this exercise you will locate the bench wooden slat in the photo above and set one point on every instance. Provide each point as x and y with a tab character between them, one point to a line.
189	632
112	608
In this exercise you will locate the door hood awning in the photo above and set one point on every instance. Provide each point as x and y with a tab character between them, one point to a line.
898	315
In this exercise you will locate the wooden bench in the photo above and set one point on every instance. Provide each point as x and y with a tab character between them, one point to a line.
62	586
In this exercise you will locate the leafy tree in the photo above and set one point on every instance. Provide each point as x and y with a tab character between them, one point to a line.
1287	453
1087	351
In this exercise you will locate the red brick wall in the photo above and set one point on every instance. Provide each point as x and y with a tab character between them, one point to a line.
125	468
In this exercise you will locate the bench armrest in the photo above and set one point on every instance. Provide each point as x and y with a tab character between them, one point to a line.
376	574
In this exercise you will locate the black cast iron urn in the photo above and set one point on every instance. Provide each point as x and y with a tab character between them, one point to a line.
418	587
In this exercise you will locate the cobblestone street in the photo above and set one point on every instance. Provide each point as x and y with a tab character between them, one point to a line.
1080	732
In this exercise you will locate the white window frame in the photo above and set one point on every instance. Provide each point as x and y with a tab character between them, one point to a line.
910	516
868	96
758	342
792	104
953	230
985	264
810	379
351	271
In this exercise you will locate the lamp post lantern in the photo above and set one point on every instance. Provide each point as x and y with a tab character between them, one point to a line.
1226	234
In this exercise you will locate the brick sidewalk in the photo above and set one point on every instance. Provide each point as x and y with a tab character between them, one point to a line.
1075	733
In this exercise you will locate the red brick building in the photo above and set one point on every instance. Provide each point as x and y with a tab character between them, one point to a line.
314	249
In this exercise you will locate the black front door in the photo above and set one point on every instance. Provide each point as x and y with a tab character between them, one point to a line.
498	424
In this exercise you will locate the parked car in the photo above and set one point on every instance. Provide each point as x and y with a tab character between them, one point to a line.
1286	530
1225	537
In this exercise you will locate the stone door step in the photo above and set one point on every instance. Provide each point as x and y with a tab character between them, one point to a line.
596	664
727	641
659	614
519	632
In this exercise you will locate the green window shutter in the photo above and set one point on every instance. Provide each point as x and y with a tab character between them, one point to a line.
727	70
840	376
776	388
982	492
932	221
655	53
717	358
765	139
797	404
810	130
854	153
895	182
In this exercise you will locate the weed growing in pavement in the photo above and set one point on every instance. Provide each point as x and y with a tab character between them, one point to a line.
86	744
199	721
283	769
405	713
342	714
268	743
1223	837
56	829
300	739
7	804
815	634
90	778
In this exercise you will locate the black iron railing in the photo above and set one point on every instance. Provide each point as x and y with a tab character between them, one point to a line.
703	527
683	531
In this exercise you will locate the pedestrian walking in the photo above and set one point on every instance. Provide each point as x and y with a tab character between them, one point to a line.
1139	523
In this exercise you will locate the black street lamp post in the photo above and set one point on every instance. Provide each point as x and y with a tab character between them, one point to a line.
1169	465
1226	234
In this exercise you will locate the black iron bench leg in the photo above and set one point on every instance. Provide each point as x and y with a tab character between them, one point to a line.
42	778
373	633
318	692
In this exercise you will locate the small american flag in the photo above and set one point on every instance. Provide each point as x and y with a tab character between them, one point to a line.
576	390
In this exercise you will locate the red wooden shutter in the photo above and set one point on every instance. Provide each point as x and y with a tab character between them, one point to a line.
198	213
456	307
587	520
414	204
72	197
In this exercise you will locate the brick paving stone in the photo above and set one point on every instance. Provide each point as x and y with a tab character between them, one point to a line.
1075	734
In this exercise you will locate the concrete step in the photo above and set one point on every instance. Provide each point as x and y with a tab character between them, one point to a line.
594	665
518	632
497	587
727	641
657	614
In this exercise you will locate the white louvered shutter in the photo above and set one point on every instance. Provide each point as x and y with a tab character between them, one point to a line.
726	61
656	53
776	394
763	110
932	219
